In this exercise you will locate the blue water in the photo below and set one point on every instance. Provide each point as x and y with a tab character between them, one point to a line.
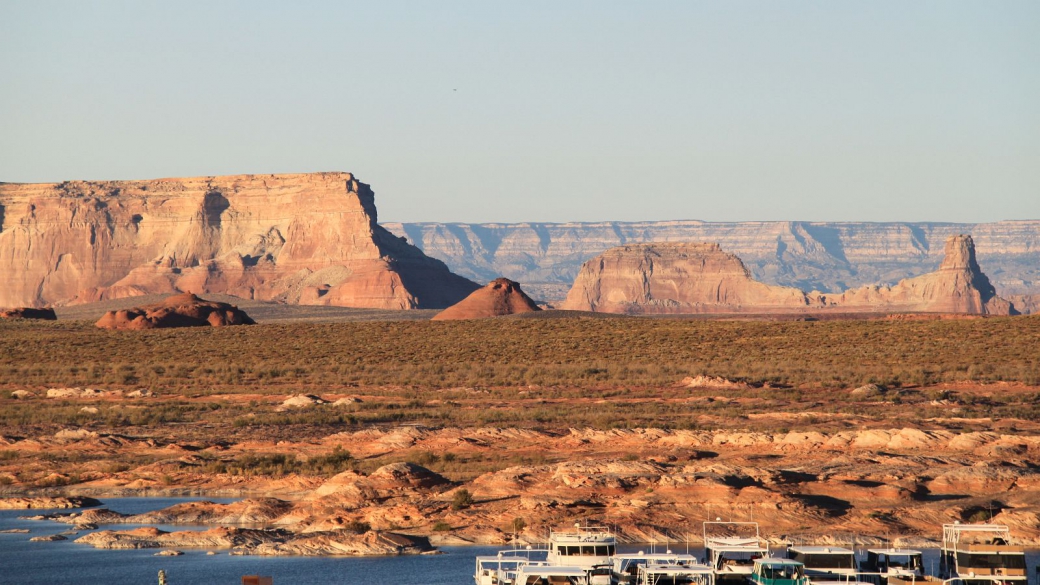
65	562
61	562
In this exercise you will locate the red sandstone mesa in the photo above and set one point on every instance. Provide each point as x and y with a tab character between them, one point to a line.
295	238
500	297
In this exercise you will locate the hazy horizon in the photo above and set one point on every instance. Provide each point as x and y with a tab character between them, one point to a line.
468	112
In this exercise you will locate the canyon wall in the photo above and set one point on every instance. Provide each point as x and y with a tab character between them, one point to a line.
682	278
296	238
829	257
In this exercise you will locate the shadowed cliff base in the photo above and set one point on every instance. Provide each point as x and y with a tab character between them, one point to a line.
260	311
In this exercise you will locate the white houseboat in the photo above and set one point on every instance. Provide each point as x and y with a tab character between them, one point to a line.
590	548
675	574
625	567
731	548
893	565
826	563
981	554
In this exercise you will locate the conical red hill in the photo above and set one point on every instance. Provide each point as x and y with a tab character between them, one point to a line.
500	297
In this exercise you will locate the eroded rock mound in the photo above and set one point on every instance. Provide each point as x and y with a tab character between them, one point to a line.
29	313
499	298
184	310
295	238
675	278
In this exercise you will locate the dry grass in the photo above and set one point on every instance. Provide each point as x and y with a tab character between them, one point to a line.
591	353
600	373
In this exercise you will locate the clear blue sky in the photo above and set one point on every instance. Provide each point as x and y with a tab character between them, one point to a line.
545	111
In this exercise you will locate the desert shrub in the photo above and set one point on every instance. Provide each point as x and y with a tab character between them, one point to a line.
358	526
461	500
441	526
282	464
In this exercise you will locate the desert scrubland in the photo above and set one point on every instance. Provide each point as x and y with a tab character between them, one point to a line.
466	431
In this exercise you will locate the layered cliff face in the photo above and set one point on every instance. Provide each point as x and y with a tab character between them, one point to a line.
675	278
959	286
300	238
829	257
701	278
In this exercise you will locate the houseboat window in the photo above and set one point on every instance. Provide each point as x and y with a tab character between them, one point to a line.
588	550
904	562
967	561
602	550
817	561
780	571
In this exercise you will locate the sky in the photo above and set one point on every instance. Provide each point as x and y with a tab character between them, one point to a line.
545	110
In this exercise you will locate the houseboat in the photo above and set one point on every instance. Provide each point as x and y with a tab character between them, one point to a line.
501	569
731	548
981	554
825	563
550	575
893	566
674	574
625	567
590	548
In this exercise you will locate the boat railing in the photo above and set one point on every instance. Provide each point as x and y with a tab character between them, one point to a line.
867	577
875	578
582	534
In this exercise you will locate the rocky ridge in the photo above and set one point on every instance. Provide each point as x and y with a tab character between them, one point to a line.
295	238
684	278
825	256
811	486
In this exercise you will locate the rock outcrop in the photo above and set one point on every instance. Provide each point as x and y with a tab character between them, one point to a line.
46	502
499	298
248	541
183	310
671	278
675	278
299	238
825	256
46	314
959	286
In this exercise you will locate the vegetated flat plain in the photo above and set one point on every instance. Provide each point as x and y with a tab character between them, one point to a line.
599	373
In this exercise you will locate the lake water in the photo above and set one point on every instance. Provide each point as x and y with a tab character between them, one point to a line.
64	562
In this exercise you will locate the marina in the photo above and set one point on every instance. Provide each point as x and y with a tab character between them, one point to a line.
65	561
735	552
